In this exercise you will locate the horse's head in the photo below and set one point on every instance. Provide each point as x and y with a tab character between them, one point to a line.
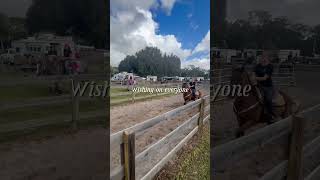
240	76
237	75
185	85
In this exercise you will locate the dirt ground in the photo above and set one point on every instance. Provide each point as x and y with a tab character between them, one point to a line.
128	115
261	160
80	156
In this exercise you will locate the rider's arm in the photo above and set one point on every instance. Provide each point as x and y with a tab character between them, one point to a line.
256	70
262	78
267	74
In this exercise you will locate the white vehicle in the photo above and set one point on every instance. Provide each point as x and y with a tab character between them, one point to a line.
152	78
119	77
199	78
8	56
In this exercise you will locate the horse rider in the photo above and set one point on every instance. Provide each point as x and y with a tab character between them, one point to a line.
263	72
193	88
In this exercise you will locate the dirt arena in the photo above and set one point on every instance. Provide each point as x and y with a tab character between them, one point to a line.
130	114
261	160
79	156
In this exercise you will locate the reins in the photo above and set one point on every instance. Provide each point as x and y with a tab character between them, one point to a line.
252	106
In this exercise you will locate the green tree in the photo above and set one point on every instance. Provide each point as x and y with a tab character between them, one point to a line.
4	29
193	71
263	31
150	61
84	19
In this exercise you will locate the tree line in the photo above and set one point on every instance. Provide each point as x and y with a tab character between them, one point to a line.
260	30
85	20
151	61
11	28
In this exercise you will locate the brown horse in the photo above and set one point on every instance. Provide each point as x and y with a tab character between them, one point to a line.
187	96
250	110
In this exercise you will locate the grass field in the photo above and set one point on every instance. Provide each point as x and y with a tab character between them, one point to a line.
122	96
196	164
192	161
31	93
25	114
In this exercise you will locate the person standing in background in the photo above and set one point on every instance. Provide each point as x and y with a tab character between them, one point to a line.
263	72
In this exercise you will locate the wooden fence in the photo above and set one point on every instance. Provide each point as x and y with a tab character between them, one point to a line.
73	118
284	75
132	96
124	141
49	79
288	132
307	67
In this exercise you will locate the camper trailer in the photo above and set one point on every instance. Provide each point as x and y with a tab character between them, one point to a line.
119	77
152	78
225	54
43	43
284	54
199	78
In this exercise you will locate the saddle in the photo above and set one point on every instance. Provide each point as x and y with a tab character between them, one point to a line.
277	98
195	94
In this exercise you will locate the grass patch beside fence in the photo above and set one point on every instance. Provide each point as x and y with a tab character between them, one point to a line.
196	164
121	95
25	114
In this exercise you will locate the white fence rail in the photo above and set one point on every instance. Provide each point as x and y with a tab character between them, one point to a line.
280	132
169	143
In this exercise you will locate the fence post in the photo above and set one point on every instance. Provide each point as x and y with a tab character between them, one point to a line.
295	149
129	155
201	116
132	95
293	78
75	103
220	74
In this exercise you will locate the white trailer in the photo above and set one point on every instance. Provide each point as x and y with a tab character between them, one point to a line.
152	78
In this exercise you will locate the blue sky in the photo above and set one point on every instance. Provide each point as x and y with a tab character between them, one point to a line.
180	27
189	21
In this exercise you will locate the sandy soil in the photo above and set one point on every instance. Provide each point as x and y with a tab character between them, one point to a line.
128	115
261	160
125	116
80	156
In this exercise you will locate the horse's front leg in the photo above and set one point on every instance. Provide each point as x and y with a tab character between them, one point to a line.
243	127
186	101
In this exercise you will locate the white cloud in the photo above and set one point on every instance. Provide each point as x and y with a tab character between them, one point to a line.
194	26
204	45
203	48
167	5
203	63
132	28
131	5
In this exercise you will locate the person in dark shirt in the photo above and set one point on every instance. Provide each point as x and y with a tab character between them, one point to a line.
263	72
67	51
193	88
